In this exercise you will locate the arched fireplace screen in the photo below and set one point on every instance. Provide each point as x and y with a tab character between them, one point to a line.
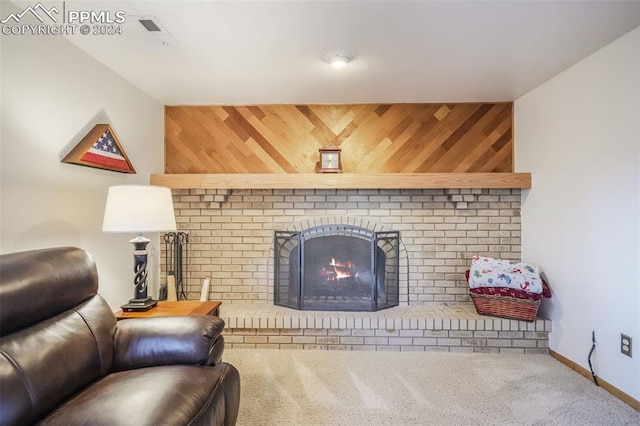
336	268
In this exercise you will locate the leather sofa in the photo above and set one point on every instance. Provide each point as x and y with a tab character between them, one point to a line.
64	359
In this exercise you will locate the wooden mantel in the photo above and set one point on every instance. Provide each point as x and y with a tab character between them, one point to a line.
342	180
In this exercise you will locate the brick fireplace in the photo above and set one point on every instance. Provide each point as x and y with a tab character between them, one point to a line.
232	241
231	234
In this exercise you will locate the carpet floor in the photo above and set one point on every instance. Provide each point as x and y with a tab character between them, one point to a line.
307	387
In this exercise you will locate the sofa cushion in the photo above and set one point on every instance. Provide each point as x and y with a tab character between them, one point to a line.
39	284
169	395
44	364
145	342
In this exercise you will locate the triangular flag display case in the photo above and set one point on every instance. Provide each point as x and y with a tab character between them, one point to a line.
101	149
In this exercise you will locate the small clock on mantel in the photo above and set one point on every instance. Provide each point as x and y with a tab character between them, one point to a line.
330	160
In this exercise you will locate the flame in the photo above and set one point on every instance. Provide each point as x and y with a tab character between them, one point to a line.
342	269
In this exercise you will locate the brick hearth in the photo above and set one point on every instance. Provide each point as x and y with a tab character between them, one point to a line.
420	327
231	240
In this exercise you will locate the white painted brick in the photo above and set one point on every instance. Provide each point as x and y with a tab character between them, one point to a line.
248	218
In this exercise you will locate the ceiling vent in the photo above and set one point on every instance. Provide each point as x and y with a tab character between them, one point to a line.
158	31
149	24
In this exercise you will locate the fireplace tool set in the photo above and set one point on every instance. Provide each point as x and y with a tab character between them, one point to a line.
176	256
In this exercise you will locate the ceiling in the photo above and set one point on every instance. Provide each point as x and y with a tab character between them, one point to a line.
271	52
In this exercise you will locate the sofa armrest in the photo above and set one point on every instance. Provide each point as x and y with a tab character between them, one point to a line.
147	342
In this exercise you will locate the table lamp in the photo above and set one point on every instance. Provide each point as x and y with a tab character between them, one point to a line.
138	209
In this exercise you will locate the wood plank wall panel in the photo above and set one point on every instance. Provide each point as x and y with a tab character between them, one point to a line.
375	138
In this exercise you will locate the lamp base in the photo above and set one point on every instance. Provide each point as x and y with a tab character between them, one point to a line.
140	300
138	305
140	266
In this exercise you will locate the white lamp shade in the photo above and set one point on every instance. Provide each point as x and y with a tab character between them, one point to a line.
138	209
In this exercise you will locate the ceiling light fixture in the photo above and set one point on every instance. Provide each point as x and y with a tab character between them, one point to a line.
338	59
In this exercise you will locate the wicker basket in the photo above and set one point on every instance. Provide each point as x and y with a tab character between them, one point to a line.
506	307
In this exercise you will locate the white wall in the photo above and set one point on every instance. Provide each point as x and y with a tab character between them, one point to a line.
579	135
52	94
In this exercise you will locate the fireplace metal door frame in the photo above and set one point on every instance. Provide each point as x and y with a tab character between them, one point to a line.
337	230
297	240
281	238
386	242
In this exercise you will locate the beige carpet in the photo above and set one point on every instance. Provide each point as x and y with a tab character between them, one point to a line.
296	387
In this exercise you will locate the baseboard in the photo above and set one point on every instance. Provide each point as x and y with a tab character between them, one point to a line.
627	399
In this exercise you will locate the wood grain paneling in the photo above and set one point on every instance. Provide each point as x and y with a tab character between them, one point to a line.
375	138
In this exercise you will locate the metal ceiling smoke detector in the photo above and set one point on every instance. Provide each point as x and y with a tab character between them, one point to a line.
338	59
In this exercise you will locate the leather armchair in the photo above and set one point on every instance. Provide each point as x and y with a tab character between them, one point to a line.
64	359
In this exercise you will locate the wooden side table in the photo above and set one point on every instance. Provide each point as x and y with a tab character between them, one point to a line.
169	309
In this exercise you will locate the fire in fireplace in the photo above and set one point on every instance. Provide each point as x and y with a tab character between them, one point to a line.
336	267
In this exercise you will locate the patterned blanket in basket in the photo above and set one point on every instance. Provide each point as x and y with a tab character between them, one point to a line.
490	272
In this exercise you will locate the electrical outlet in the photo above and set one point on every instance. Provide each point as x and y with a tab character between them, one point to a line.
625	345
